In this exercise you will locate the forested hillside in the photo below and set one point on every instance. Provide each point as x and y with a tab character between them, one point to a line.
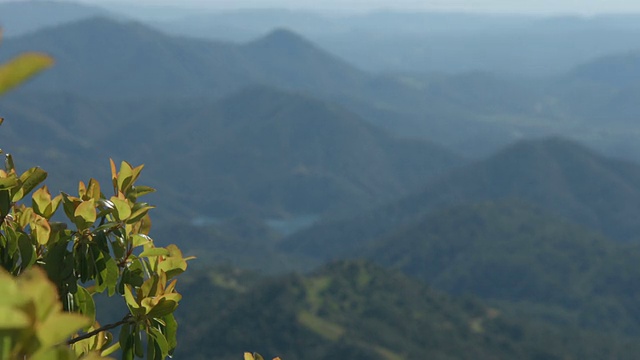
356	310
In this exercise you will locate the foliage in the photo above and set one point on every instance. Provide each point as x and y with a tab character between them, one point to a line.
356	310
21	68
255	356
103	248
33	321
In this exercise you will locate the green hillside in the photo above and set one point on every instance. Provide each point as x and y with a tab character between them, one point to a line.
521	257
354	310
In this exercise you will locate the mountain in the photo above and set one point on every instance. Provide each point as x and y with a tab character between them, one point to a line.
259	152
522	258
423	42
281	152
354	310
558	175
602	93
21	17
55	132
288	60
105	58
616	70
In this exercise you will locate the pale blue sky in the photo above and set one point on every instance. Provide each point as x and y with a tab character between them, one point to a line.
501	6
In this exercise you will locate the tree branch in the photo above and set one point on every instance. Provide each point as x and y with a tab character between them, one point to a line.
124	320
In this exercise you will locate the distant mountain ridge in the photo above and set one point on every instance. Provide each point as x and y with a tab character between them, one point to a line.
554	174
105	58
282	152
259	151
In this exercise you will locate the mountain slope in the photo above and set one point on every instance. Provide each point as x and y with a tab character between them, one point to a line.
282	152
104	58
288	60
557	175
354	310
520	256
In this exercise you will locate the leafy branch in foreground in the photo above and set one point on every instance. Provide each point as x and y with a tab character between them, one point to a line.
103	248
50	270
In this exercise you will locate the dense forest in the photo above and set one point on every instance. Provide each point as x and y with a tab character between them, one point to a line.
360	187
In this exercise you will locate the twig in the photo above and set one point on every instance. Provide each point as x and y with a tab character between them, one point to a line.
125	320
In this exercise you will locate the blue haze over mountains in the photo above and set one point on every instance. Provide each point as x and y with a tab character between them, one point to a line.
487	156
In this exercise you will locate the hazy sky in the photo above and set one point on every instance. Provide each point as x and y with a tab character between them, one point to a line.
518	6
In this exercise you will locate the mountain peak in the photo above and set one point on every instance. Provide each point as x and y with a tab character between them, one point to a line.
283	39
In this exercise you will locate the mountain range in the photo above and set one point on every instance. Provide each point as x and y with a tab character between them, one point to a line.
401	41
475	113
106	58
529	252
562	177
260	150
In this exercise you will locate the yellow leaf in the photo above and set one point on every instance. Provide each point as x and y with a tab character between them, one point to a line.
22	67
42	229
123	209
41	198
86	211
59	326
11	318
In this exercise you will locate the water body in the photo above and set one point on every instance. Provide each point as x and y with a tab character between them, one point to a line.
283	226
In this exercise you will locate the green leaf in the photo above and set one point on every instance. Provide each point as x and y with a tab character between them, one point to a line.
156	251
5	202
40	200
141	240
41	229
123	209
138	212
21	68
171	331
85	304
60	352
132	303
59	326
111	349
69	204
93	189
85	214
160	340
167	304
137	344
125	176
138	191
12	319
126	342
112	275
9	182
29	180
27	251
